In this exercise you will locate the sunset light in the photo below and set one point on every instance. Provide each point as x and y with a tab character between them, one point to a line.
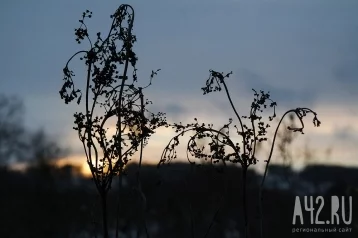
189	118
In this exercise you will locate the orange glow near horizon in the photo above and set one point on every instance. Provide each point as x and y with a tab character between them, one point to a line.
320	139
78	161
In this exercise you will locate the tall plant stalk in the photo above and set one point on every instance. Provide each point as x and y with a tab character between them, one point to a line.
113	92
242	152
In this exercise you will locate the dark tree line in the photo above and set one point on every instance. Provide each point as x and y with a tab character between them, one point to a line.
56	202
19	144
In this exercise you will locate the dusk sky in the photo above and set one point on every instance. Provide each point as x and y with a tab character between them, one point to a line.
305	52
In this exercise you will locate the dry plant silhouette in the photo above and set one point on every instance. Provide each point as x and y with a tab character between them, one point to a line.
222	148
108	61
109	90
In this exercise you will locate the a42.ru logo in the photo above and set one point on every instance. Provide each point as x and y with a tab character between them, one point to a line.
314	209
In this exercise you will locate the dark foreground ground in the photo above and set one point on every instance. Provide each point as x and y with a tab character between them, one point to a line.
181	202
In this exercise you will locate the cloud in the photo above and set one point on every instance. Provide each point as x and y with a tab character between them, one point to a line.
172	109
346	134
287	96
346	75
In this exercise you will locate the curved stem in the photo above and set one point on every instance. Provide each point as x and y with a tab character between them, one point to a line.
140	162
119	123
231	144
273	145
236	113
265	173
79	52
254	131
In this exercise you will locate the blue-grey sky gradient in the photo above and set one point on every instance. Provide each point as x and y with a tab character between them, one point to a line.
305	52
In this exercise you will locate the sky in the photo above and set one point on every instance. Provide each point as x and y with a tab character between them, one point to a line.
305	52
